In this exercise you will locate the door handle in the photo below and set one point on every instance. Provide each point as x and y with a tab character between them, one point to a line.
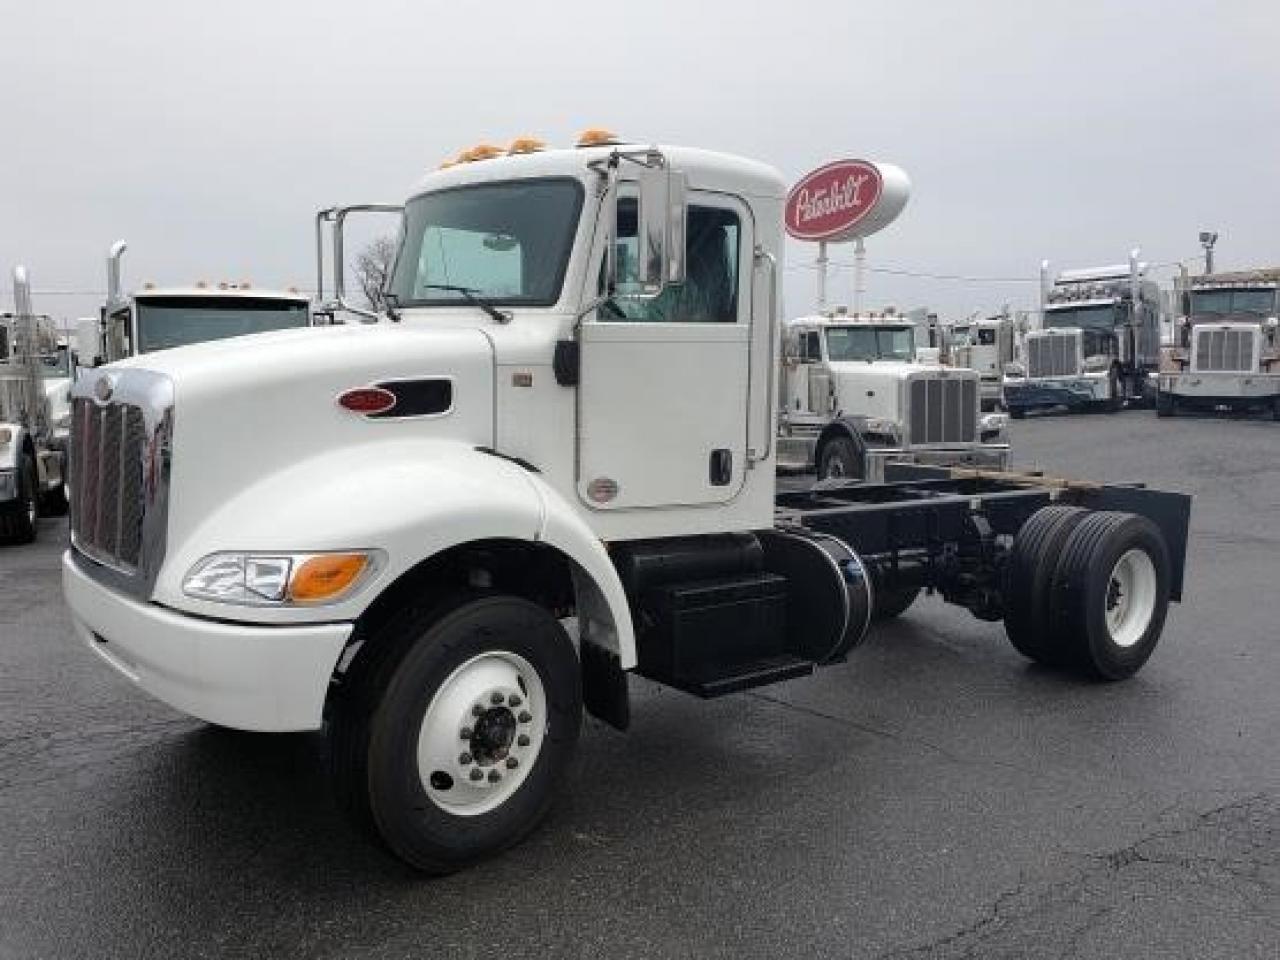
720	470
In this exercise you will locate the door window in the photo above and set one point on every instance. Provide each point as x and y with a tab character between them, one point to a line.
709	293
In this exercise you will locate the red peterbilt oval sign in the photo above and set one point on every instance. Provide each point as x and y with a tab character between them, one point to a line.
845	199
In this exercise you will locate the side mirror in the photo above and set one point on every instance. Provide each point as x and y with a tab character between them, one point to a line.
89	341
661	215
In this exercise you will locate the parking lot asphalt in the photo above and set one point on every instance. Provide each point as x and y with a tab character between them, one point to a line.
936	796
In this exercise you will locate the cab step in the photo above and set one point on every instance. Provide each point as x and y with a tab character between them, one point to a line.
747	675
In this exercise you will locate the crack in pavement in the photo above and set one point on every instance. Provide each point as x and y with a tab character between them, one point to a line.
1227	856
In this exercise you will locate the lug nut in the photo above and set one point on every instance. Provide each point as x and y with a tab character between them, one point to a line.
522	740
512	763
465	733
525	716
464	759
476	774
514	701
495	698
494	776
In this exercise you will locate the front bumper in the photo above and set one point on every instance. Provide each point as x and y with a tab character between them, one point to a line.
1221	387
1073	392
988	455
267	678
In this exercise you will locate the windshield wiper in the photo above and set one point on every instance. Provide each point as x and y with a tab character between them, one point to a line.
469	294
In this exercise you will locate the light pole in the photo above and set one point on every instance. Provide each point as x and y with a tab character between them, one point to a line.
1207	240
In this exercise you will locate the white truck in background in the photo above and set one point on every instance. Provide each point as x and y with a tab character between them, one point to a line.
33	460
986	345
1226	348
1098	346
855	398
440	539
159	318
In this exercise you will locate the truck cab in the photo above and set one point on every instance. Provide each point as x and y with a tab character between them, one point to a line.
1225	353
441	538
161	318
986	346
1098	342
855	397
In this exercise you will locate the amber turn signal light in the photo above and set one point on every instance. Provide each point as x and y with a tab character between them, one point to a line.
324	577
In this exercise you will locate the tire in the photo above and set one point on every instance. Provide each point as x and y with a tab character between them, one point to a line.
841	460
18	519
1018	413
55	503
894	603
502	659
1028	579
1275	408
1110	594
1166	405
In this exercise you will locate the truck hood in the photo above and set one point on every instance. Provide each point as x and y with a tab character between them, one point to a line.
250	407
883	371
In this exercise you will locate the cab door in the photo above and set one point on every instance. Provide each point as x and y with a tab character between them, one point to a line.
663	392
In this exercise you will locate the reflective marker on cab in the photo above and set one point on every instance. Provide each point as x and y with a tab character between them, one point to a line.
367	400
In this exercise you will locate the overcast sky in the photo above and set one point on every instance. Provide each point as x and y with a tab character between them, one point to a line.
207	134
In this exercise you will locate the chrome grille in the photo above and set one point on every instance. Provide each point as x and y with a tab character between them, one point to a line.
1224	350
1053	355
108	448
943	410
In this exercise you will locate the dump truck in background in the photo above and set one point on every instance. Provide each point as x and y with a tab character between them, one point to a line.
1098	345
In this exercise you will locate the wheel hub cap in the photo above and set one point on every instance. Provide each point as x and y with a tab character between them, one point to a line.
1131	597
481	733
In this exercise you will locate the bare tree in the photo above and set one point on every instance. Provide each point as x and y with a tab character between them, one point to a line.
373	269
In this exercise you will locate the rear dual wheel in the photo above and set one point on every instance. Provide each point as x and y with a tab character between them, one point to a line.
1088	590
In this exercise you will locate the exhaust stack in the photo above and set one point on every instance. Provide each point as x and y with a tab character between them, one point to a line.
113	270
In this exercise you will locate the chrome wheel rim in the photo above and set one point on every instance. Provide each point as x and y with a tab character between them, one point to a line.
482	733
1131	597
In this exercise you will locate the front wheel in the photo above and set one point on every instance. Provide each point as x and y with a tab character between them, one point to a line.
452	750
1166	405
841	461
18	518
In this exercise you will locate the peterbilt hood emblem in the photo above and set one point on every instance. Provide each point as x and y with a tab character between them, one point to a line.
104	388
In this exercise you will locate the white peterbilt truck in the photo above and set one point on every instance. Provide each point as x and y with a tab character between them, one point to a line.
1226	349
32	454
160	318
1098	342
854	398
986	345
441	538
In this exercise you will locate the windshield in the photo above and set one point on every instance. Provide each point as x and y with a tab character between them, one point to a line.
871	343
166	322
56	365
508	243
1101	319
1261	303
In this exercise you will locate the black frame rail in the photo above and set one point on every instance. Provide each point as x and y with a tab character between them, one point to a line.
924	523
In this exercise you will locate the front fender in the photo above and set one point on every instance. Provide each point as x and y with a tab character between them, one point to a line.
411	500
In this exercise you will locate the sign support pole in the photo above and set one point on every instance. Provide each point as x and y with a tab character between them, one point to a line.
859	274
822	275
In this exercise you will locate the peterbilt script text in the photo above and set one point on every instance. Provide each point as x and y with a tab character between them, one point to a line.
835	198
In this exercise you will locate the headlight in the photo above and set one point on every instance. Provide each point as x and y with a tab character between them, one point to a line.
8	484
281	579
992	423
1015	371
1096	364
